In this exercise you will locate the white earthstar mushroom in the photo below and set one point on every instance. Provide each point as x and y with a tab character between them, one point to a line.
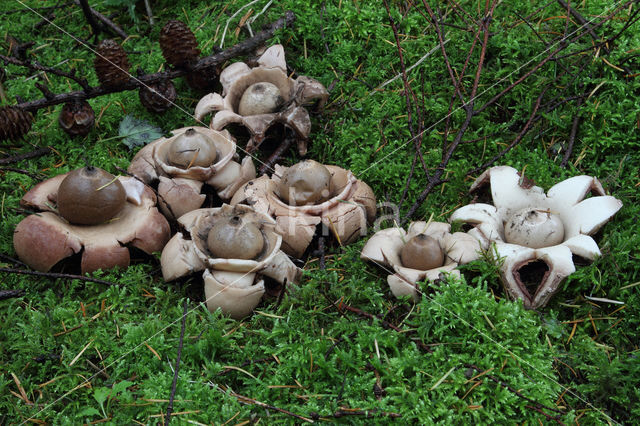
527	226
393	250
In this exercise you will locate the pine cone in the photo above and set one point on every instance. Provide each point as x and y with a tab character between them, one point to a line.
111	64
14	123
179	45
77	118
160	100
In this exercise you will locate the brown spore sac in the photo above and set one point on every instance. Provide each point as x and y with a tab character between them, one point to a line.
235	238
422	252
90	196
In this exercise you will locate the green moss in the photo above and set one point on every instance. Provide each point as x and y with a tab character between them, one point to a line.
311	357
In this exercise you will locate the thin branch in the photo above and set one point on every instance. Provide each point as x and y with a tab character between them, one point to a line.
517	139
33	154
578	18
23	172
91	13
365	413
275	156
88	14
177	367
57	275
251	401
510	388
208	62
572	137
9	294
35	66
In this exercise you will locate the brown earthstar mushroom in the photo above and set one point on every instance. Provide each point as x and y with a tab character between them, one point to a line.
235	247
45	238
257	98
183	163
344	204
425	251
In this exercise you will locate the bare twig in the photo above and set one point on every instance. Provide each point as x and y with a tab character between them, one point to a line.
57	275
572	137
517	139
365	413
321	252
33	154
578	18
35	66
513	390
251	401
11	260
88	15
275	156
21	171
177	367
8	294
208	62
91	14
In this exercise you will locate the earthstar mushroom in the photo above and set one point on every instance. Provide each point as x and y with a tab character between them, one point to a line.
303	196
43	239
526	226
183	163
424	251
257	98
233	270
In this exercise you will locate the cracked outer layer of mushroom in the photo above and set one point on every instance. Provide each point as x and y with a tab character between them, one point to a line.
91	212
425	251
308	194
531	229
183	163
257	98
235	247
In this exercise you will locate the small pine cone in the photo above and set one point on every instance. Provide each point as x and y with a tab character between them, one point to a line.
160	100
111	64
14	123
77	118
179	45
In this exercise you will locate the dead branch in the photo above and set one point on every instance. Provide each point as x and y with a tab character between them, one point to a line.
177	367
35	66
345	412
468	107
205	63
9	294
572	138
578	18
275	156
511	389
21	171
105	24
33	154
250	401
57	276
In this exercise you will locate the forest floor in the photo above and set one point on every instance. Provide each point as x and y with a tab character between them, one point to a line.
424	96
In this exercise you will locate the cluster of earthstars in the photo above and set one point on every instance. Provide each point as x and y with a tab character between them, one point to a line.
242	248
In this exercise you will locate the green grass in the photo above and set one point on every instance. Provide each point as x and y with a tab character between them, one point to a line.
313	359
